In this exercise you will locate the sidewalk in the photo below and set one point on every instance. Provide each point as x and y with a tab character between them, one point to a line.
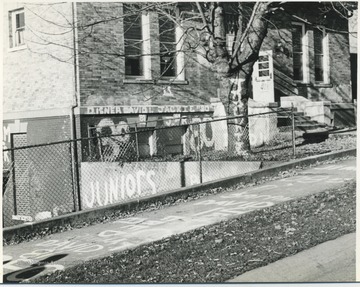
70	248
331	261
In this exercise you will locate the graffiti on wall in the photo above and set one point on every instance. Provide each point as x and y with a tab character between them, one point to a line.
105	183
117	110
115	138
209	135
201	136
116	142
119	188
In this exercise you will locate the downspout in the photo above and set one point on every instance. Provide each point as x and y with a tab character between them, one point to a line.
74	105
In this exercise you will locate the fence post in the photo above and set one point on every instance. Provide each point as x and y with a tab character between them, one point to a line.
13	171
200	162
77	174
293	130
137	142
72	174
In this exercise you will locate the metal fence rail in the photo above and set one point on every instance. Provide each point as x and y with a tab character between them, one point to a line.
43	181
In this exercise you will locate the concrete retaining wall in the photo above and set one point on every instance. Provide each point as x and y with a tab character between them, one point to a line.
105	183
92	215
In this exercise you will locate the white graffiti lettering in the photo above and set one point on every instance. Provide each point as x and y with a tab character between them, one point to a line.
74	246
110	191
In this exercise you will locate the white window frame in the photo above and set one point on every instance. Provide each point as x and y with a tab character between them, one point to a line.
326	59
145	19
230	38
13	30
180	56
305	55
146	49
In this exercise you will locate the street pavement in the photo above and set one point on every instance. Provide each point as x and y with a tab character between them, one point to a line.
332	261
62	250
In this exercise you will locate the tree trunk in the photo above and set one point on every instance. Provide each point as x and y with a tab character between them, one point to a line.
235	84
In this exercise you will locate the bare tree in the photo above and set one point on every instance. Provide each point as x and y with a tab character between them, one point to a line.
249	21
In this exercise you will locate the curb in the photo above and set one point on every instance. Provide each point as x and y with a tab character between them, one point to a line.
92	215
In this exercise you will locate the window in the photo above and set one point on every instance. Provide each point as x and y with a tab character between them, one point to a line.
168	53
300	52
133	41
321	55
230	38
17	28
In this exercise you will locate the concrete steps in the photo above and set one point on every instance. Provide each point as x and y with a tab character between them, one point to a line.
302	122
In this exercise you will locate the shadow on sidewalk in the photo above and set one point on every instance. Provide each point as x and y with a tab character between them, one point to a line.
31	271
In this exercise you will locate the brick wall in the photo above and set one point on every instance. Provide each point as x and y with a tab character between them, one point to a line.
339	89
102	80
102	74
39	75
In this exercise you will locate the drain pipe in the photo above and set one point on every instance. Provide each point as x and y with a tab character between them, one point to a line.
74	105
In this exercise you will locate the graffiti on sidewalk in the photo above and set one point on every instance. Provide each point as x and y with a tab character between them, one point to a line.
134	231
30	264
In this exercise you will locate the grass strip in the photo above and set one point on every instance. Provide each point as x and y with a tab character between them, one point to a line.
219	252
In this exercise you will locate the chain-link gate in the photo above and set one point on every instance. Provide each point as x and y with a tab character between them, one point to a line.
39	182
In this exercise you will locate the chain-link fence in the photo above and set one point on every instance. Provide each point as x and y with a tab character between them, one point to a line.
38	183
138	161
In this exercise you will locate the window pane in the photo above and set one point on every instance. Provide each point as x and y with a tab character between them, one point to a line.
318	38
19	37
133	40
20	20
297	66
133	66
167	46
263	58
167	29
319	55
297	38
264	73
319	68
167	63
133	47
264	65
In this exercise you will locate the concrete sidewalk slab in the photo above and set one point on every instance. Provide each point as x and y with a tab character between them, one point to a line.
86	216
331	261
63	250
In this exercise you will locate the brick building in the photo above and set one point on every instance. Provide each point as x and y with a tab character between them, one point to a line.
75	70
111	71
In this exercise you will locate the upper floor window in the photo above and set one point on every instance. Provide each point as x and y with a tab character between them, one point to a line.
321	55
300	52
17	28
167	31
133	41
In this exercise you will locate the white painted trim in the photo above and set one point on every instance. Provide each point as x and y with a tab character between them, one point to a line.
306	62
17	48
13	14
180	56
326	62
38	113
145	21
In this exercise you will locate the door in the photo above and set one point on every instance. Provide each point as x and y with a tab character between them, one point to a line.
263	78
